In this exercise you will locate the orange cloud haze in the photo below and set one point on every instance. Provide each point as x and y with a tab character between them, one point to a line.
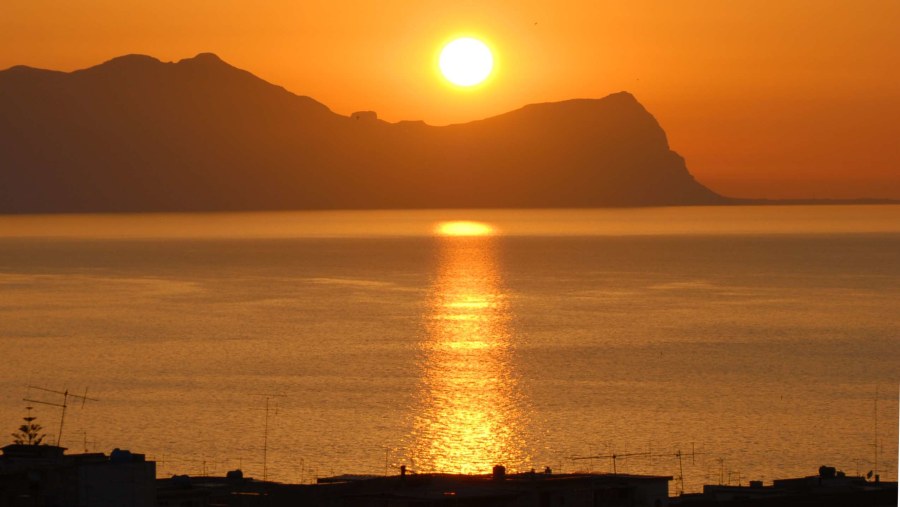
768	98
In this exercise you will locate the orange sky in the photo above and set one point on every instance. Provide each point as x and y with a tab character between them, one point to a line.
764	98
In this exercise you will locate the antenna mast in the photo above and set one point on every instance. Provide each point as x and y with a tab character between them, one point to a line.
876	430
65	404
613	457
266	430
677	455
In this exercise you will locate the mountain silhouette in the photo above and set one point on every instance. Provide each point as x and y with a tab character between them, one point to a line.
138	134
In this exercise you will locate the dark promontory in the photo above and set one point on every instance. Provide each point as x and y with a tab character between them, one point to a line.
137	134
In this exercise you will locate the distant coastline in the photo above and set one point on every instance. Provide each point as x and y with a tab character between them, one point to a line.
811	202
136	134
728	203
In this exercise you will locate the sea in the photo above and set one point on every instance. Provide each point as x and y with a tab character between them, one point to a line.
715	345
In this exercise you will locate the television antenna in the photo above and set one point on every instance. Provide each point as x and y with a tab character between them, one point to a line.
268	397
64	405
613	457
680	455
677	454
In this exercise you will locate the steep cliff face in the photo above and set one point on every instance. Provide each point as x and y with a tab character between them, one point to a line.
137	134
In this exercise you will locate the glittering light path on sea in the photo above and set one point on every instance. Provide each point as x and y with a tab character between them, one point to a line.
469	408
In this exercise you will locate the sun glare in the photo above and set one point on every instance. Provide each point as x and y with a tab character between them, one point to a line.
463	228
466	61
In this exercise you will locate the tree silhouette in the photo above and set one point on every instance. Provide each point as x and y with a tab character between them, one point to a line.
30	432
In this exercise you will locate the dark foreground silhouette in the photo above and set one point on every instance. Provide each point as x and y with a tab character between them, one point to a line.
43	475
137	134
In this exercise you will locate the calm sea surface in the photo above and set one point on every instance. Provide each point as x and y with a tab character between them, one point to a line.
758	338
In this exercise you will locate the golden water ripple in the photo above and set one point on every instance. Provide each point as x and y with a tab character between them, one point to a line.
470	413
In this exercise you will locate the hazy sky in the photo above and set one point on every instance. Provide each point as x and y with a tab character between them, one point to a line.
764	98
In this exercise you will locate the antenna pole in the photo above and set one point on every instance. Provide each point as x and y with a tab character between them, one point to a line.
876	430
65	404
63	418
678	454
266	431
266	442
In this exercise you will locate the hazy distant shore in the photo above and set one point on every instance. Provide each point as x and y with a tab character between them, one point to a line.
812	202
730	202
136	134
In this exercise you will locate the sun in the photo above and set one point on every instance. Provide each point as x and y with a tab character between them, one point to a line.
466	61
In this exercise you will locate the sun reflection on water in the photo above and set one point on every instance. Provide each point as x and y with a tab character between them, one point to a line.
464	228
470	414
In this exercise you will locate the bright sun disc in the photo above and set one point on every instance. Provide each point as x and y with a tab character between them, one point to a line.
466	61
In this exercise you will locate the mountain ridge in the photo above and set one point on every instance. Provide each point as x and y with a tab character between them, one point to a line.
138	134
